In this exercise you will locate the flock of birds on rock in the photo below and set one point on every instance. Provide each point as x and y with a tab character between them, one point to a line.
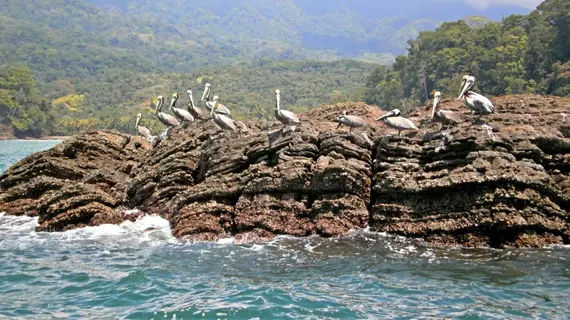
221	115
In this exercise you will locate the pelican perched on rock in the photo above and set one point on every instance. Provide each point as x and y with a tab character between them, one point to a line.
210	104
349	121
478	104
181	114
222	121
284	116
143	131
393	120
165	118
196	112
445	117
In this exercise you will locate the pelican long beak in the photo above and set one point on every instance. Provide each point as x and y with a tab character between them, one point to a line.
172	102
158	104
206	91
435	104
138	121
389	114
463	90
216	105
277	101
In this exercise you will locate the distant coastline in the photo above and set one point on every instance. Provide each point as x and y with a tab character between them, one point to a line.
10	137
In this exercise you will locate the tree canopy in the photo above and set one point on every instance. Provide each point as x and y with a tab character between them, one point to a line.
522	53
69	65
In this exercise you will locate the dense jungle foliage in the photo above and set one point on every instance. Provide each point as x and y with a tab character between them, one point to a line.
69	65
523	53
114	97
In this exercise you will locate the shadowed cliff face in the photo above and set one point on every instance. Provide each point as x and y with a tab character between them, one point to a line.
504	187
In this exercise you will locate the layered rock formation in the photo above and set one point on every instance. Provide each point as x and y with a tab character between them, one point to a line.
260	183
75	184
504	187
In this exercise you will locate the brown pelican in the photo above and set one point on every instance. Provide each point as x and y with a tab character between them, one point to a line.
210	104
143	131
478	104
395	121
196	112
350	121
284	116
165	118
224	122
181	114
445	117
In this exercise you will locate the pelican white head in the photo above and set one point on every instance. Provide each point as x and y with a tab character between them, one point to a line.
466	83
436	101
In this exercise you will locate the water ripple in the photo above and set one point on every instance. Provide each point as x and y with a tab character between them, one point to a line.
129	272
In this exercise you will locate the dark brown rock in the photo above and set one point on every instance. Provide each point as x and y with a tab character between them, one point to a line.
260	183
506	185
503	188
77	183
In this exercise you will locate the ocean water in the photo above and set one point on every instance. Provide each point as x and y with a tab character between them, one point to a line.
137	270
11	151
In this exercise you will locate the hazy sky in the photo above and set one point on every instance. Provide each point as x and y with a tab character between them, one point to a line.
531	4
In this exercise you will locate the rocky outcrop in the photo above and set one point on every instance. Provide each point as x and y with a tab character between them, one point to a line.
75	184
260	183
503	185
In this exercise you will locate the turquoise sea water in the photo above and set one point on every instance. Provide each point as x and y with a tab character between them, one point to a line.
137	270
11	151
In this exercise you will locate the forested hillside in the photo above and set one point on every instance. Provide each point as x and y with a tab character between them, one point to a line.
283	28
96	63
523	53
114	97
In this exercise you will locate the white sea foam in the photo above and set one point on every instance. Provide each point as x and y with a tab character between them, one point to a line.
310	248
131	211
151	229
17	224
230	240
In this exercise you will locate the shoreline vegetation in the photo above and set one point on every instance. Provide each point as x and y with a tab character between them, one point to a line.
6	138
56	82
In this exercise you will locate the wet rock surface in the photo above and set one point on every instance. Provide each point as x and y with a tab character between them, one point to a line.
502	185
75	184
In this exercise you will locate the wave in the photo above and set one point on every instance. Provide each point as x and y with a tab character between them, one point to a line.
147	230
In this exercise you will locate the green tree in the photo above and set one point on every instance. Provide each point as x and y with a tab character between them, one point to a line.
519	54
384	89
